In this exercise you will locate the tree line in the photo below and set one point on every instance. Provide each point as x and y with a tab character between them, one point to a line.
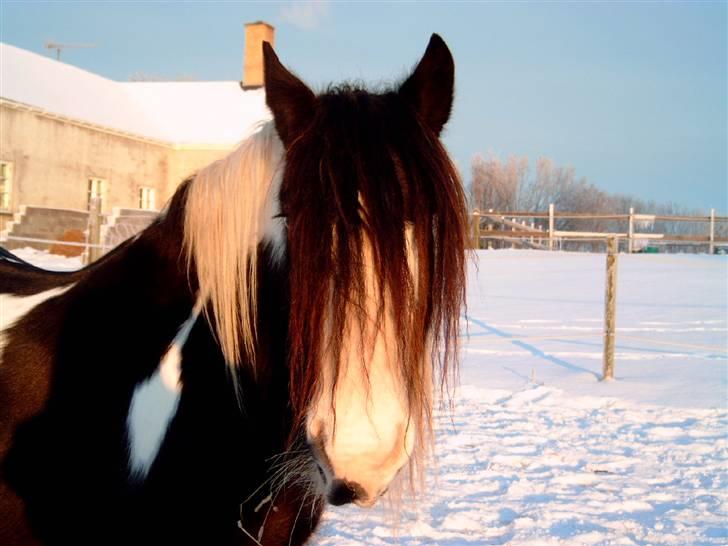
518	185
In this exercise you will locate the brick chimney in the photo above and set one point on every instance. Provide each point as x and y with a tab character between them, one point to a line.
255	34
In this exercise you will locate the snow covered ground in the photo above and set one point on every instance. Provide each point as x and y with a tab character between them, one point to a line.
538	451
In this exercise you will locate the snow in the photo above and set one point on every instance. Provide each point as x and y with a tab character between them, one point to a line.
179	113
539	465
52	262
538	451
542	313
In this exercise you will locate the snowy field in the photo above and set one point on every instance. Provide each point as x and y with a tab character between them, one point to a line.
538	450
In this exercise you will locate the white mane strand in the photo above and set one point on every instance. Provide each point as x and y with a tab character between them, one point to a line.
231	207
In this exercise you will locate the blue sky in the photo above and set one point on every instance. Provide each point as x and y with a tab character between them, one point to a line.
631	94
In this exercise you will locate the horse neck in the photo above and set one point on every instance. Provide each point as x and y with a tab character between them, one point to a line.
145	277
162	259
158	256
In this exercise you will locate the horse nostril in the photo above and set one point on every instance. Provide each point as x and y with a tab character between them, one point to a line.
342	492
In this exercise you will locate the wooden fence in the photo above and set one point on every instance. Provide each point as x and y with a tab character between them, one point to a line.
541	229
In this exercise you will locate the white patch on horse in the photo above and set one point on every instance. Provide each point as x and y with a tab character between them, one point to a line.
274	225
13	308
154	404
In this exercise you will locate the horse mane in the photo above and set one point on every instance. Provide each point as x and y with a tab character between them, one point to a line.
368	177
230	208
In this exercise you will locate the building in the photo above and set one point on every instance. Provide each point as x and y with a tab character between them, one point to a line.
68	135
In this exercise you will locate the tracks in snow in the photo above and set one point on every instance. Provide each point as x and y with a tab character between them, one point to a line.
538	466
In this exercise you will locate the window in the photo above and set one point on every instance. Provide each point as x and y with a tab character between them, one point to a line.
6	184
146	199
96	187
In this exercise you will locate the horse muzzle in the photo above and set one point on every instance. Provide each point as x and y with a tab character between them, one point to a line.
344	492
341	490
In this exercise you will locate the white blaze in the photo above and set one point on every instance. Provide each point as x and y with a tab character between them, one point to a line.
371	436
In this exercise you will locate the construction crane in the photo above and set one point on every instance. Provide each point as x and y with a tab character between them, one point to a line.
60	47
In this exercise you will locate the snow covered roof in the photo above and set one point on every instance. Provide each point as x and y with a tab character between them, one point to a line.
180	113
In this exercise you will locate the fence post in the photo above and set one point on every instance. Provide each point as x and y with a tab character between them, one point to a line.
93	252
610	309
475	230
711	246
630	242
551	226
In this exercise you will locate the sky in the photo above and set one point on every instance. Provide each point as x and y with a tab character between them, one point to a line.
632	95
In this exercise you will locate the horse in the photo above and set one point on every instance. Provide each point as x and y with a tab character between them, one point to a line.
273	342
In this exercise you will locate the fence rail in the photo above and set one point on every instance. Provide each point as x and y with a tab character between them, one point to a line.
510	226
598	216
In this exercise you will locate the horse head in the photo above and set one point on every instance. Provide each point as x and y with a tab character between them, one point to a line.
375	222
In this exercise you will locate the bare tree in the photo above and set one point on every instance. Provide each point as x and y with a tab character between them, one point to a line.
513	185
498	185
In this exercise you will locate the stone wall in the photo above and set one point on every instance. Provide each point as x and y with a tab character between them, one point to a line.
55	224
50	224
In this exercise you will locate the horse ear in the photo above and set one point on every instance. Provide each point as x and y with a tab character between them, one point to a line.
429	89
290	100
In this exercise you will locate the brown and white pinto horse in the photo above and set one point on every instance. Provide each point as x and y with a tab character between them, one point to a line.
272	342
